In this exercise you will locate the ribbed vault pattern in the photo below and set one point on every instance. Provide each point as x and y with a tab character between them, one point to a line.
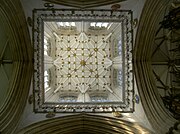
84	61
83	65
151	101
13	106
16	54
84	123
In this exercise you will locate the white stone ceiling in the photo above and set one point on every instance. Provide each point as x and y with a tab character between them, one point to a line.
84	64
29	117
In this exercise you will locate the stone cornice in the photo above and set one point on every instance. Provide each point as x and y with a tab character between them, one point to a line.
84	3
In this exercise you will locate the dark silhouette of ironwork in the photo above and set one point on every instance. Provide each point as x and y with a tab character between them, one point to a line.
170	24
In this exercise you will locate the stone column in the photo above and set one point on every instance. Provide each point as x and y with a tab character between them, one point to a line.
117	62
83	97
48	62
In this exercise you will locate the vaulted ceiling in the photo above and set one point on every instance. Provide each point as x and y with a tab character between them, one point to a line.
16	105
83	60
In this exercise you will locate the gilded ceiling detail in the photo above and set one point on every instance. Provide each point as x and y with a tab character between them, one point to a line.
83	63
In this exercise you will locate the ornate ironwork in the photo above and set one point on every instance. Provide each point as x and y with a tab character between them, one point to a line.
168	36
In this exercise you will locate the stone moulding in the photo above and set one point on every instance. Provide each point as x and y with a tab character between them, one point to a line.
84	4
